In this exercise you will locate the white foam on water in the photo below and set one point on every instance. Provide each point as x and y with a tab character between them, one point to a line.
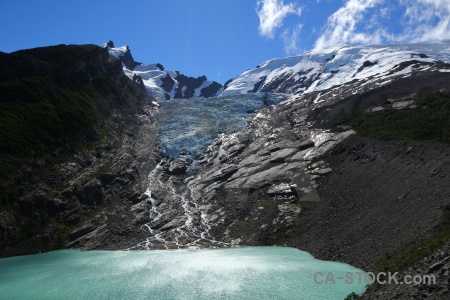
235	273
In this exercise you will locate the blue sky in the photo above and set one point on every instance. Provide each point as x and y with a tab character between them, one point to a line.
220	38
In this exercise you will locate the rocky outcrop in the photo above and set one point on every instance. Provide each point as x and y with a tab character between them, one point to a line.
187	85
160	83
167	83
126	58
211	90
178	167
79	191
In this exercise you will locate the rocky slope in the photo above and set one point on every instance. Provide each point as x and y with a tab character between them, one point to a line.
160	83
76	147
267	170
293	178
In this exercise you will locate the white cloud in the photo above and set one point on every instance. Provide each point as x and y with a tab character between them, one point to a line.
341	26
428	20
271	14
291	40
421	20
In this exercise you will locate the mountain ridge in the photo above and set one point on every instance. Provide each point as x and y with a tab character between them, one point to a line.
71	122
318	72
160	83
323	71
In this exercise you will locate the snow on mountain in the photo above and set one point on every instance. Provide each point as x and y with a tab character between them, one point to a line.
119	51
327	69
160	83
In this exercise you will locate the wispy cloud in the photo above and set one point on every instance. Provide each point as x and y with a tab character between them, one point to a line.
271	14
341	26
357	22
421	20
428	20
291	40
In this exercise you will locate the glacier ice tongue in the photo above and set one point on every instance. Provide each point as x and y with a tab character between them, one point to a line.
190	125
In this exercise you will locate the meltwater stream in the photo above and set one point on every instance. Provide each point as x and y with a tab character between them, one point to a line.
233	273
189	126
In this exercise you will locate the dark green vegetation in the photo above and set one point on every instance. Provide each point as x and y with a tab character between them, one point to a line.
417	249
353	296
410	255
54	96
419	182
429	121
56	104
38	122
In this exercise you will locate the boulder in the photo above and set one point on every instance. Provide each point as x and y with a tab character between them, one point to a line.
306	144
282	189
178	167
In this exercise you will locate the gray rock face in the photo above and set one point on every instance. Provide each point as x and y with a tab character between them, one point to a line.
81	232
141	213
8	227
92	193
174	223
260	172
281	189
178	167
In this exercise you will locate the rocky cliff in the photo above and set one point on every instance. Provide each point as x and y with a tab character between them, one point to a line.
76	145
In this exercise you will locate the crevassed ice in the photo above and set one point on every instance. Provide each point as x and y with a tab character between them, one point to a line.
192	124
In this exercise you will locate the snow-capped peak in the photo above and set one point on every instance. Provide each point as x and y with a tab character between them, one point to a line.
324	69
160	83
119	51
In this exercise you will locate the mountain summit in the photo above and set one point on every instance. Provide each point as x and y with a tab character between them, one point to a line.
323	73
160	83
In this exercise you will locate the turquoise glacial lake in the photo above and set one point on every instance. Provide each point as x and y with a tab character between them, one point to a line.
234	273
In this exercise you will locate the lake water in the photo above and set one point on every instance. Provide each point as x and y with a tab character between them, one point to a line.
234	273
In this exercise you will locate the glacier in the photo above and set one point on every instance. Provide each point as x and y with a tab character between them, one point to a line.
190	125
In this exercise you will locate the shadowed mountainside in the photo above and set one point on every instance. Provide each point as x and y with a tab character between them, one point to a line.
68	113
